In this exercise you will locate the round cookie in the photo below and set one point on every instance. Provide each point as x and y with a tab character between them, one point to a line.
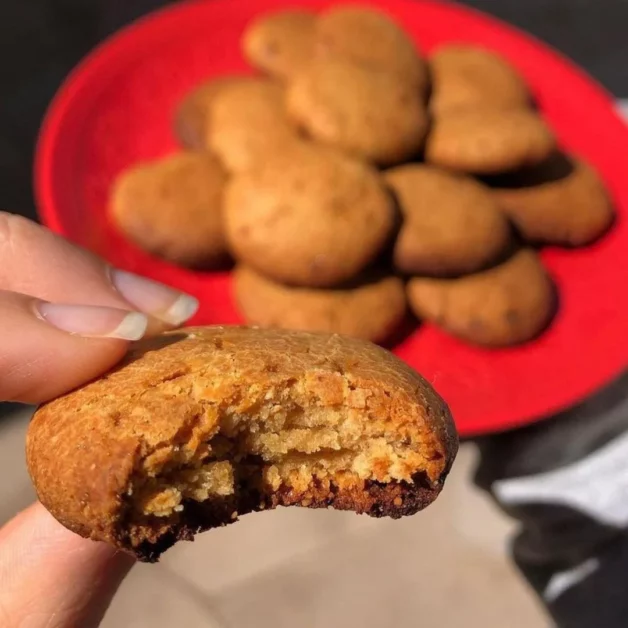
484	142
572	209
506	305
280	44
200	426
451	223
248	122
372	39
371	308
192	116
369	114
173	209
310	217
470	77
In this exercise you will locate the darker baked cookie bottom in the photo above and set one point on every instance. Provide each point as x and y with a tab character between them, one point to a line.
375	499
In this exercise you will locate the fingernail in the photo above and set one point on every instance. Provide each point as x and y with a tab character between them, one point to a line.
166	304
94	321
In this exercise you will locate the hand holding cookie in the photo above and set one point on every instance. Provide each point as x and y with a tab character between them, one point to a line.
334	422
66	318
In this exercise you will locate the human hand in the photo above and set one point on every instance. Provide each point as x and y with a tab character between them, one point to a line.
66	317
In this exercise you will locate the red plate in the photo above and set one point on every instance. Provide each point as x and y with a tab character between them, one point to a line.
117	108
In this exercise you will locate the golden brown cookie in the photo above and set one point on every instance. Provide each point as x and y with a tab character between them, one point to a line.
172	208
451	223
199	426
249	122
371	308
310	217
193	114
370	114
372	39
488	141
506	305
469	77
562	201
281	43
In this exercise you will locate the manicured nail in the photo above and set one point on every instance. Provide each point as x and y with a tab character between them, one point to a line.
94	321
166	304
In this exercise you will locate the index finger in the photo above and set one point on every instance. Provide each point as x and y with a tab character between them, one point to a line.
36	262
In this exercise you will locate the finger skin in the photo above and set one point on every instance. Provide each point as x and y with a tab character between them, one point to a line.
35	261
52	578
38	361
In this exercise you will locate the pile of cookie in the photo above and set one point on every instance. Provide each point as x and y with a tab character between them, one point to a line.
352	177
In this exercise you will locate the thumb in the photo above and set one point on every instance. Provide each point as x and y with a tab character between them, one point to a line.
47	349
49	576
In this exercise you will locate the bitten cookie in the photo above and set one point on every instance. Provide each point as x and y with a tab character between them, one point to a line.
470	77
373	40
173	208
557	204
488	141
281	44
249	121
310	217
451	223
370	114
193	114
506	305
371	308
202	425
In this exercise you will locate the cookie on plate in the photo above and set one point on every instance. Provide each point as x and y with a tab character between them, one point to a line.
451	223
563	201
468	77
249	121
282	43
370	308
193	114
486	142
311	217
202	425
369	114
505	305
172	208
373	40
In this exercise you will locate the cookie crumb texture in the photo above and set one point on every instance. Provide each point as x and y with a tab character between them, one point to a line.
193	115
569	208
248	120
371	308
451	224
508	304
312	217
371	39
372	115
487	142
172	208
466	77
200	426
280	43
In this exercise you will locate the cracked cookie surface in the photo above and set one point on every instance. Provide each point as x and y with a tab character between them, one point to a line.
199	426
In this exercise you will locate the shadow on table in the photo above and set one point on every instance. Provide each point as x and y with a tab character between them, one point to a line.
9	408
